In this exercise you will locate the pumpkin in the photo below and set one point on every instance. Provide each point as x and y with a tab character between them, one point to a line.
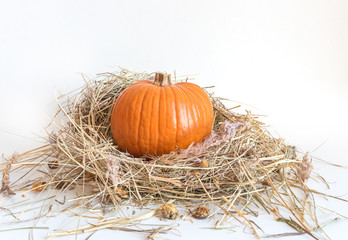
155	117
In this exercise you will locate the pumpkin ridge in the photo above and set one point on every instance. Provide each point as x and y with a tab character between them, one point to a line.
204	100
158	116
187	110
139	125
200	102
131	116
154	117
192	111
196	107
163	114
151	136
170	117
120	97
149	107
122	137
183	124
207	109
176	117
127	116
203	93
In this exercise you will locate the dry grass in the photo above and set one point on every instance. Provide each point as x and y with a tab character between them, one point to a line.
239	167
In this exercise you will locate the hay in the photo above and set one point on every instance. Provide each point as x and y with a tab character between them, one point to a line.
238	167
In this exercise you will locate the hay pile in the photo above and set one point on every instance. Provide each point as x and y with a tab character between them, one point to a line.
239	167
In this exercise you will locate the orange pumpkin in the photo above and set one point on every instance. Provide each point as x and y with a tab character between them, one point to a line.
156	117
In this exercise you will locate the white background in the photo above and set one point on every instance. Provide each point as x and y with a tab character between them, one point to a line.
286	59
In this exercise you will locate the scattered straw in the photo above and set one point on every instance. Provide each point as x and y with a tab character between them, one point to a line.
239	166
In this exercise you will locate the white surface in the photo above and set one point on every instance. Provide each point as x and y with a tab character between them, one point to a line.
288	59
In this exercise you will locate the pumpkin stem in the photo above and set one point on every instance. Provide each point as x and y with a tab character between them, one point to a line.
162	79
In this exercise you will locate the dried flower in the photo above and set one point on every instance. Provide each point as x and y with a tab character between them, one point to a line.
229	129
113	168
305	169
201	147
6	174
169	211
201	212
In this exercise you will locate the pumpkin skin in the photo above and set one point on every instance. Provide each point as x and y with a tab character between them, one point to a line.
155	117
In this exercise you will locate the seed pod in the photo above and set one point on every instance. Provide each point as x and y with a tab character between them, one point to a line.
169	211
201	212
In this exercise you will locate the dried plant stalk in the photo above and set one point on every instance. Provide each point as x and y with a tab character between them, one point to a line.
6	175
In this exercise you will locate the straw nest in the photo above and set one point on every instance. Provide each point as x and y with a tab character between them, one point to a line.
240	166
